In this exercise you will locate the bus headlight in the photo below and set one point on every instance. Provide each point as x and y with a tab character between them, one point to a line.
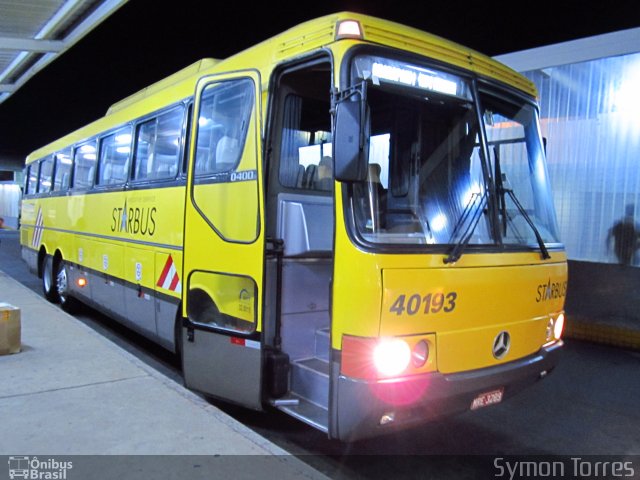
549	333
391	357
374	358
558	326
555	327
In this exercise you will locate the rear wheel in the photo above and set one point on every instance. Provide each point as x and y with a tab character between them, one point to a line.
67	302
49	287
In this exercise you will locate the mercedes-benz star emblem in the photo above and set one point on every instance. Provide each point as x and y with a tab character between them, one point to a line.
501	345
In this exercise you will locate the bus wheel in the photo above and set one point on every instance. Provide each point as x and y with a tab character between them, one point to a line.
67	302
49	286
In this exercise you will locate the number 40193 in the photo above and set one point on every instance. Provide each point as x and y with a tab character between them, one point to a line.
430	303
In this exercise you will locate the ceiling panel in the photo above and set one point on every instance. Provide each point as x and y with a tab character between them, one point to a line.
34	32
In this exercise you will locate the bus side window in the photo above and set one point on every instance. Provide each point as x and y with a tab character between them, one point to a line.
187	140
32	178
46	173
84	165
113	167
158	146
62	170
222	127
25	180
226	183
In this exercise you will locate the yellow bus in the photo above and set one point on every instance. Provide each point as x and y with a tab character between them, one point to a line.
350	222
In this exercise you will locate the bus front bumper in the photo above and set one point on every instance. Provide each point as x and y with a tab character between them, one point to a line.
372	408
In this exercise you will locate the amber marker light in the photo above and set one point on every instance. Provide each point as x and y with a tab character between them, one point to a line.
348	29
82	282
420	354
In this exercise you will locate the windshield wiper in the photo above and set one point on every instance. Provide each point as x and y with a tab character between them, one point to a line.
525	215
473	215
501	190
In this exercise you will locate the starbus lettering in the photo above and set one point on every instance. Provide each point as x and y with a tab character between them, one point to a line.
551	291
134	220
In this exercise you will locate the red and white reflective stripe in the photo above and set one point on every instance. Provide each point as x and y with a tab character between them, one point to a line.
169	278
38	229
243	342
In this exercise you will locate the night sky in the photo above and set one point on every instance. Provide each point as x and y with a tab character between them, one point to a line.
146	40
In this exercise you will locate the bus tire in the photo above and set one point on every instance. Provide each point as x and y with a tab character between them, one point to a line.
68	303
49	285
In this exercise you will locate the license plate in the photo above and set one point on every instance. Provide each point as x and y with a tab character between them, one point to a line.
487	398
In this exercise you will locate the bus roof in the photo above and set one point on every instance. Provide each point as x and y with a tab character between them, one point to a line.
292	43
165	83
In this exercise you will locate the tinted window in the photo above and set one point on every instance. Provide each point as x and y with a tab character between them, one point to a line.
114	157
225	111
32	178
158	146
225	190
46	173
84	165
63	170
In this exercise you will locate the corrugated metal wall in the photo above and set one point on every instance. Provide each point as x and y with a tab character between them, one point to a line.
590	115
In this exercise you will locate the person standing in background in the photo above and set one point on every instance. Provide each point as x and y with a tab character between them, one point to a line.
626	237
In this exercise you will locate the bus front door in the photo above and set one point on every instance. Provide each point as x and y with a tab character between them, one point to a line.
224	242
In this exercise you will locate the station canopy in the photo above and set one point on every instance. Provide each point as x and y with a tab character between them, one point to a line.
34	32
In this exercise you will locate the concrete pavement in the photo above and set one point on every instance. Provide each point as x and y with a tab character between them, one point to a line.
72	392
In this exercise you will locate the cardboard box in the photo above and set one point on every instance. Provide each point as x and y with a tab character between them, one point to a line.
9	329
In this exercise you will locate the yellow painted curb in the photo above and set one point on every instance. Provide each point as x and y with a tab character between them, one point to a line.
586	329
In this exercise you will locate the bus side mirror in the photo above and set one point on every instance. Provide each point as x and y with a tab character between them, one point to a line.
349	143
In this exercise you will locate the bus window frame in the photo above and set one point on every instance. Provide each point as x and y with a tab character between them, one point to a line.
274	121
63	188
255	115
73	188
100	139
182	154
213	176
186	138
28	191
42	161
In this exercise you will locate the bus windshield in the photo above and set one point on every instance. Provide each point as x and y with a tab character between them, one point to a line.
516	160
428	179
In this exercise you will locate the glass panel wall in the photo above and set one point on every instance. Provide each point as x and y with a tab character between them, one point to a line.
590	116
